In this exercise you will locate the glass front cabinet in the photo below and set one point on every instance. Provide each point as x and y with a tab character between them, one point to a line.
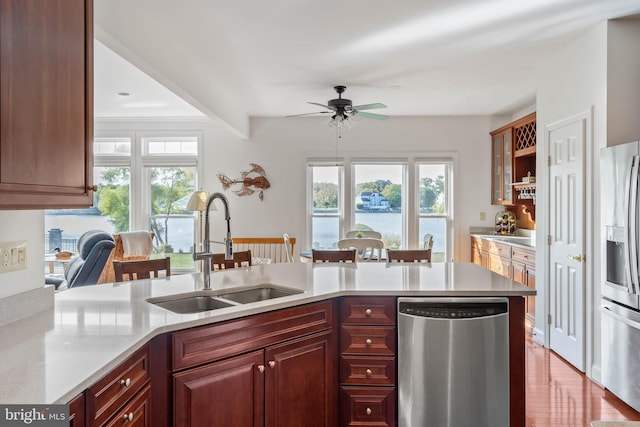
502	167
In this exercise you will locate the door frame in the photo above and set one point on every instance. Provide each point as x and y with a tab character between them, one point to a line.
590	219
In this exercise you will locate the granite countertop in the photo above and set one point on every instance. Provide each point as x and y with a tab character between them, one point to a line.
54	355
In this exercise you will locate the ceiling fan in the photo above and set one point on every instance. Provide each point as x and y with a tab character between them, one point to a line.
342	109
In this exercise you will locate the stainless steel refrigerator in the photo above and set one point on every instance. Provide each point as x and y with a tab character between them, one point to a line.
620	304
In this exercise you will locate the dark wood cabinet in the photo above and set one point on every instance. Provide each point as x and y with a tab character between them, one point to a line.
237	384
124	391
300	383
274	369
136	413
46	103
367	361
76	411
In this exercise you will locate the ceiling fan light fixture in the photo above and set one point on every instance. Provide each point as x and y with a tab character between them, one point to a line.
341	121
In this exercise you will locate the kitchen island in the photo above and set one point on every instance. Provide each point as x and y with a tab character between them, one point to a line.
54	356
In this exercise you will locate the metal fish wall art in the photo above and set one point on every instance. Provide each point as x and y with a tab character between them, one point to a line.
252	181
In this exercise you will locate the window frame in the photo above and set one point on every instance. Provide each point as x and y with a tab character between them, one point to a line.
410	193
139	162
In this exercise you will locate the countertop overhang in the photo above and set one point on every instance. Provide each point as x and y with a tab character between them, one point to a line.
54	355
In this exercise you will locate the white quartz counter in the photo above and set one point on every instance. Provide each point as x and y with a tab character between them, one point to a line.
527	242
52	356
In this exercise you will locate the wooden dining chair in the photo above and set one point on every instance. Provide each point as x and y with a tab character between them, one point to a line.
409	255
288	247
144	269
353	234
368	249
319	255
240	259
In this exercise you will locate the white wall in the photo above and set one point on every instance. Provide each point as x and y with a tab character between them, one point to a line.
572	81
597	74
282	145
29	226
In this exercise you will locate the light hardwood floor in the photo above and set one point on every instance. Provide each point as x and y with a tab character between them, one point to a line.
558	395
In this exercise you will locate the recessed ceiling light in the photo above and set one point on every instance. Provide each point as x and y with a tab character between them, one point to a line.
123	93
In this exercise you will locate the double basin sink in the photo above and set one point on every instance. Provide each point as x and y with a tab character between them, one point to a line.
206	300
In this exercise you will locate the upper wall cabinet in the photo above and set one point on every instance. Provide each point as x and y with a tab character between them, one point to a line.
46	103
513	156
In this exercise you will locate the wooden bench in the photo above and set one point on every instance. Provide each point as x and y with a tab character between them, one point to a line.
265	247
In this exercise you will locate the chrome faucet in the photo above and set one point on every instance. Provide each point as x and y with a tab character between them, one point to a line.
207	255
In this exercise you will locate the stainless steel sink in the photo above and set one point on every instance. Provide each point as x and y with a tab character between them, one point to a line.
190	303
258	294
199	301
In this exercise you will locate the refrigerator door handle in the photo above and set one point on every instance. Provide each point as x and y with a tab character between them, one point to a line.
607	310
633	226
629	241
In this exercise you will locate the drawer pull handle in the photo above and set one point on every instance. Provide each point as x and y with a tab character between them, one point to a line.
369	411
128	417
368	342
125	383
368	312
368	372
261	368
272	363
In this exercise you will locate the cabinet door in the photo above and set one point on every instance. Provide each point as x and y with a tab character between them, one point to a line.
301	383
46	103
519	272
500	265
502	167
76	411
531	300
225	393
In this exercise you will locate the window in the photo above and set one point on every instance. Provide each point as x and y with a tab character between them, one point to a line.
325	204
434	202
144	183
403	199
378	205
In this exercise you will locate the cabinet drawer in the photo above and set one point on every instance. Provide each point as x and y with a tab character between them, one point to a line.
367	340
368	370
204	344
368	310
523	255
136	414
375	406
107	395
500	249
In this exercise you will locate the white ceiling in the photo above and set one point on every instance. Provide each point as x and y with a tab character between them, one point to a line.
236	59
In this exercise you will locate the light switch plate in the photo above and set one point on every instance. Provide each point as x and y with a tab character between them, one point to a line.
13	256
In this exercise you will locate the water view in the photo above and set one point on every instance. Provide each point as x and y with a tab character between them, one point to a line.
325	230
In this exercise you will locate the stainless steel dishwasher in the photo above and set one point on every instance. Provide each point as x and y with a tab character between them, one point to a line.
453	362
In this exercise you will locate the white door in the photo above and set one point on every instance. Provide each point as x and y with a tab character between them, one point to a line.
566	231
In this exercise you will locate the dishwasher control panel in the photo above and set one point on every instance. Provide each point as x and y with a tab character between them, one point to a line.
452	310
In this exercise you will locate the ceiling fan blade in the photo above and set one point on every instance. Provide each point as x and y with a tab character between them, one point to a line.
372	116
321	105
369	106
307	114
